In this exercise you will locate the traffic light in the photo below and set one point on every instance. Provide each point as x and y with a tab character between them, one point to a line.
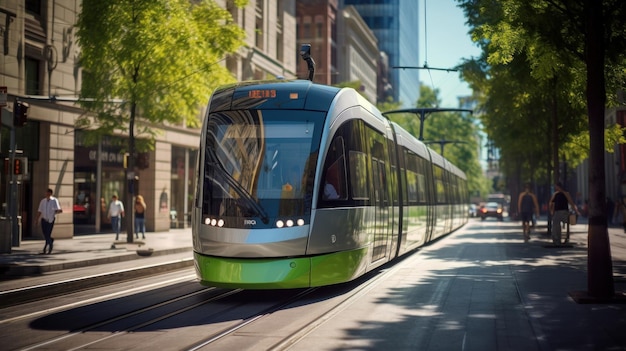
17	166
20	166
20	113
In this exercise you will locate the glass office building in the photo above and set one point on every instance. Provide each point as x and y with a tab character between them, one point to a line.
395	24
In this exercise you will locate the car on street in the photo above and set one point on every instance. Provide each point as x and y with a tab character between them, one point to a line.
491	209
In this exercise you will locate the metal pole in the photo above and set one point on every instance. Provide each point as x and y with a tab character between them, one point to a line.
97	200
186	189
12	201
422	119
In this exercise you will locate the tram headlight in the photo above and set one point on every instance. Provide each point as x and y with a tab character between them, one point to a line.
280	223
220	223
213	222
207	221
300	221
289	223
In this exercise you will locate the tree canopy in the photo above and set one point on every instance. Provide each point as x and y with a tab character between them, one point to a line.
159	58
530	81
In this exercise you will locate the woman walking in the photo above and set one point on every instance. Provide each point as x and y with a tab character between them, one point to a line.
140	220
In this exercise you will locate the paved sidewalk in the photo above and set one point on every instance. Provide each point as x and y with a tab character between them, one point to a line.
89	250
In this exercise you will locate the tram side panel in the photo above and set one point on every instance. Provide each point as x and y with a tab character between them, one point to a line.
358	224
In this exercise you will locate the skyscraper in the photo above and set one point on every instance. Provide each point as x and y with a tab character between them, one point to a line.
395	24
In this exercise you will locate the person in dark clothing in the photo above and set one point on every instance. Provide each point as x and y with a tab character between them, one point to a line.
610	210
560	211
527	204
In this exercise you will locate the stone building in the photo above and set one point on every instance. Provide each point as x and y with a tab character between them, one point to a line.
40	65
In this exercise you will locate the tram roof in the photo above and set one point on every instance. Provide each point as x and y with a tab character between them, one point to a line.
281	94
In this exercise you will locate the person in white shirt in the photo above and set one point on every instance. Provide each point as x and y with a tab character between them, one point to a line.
46	214
116	213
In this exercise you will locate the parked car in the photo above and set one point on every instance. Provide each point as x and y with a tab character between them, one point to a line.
491	209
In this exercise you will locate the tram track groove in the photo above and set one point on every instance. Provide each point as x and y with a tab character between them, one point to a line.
95	326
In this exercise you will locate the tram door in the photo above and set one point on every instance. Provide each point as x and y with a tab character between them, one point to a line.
380	206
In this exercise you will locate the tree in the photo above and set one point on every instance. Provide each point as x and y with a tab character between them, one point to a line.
149	62
577	41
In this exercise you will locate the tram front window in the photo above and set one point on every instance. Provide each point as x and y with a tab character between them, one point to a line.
260	158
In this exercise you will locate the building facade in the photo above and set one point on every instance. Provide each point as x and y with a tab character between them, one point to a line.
395	25
40	66
358	52
317	26
343	47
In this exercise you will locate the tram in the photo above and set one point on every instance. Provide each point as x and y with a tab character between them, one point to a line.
302	185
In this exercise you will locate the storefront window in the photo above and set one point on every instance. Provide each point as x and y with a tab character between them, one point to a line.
183	171
86	202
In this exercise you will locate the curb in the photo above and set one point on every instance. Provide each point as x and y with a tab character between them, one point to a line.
14	271
22	295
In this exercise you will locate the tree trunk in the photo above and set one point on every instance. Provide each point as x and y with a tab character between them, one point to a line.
599	264
130	176
555	136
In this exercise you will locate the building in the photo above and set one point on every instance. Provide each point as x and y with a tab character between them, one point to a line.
317	26
40	65
395	25
358	53
271	47
343	47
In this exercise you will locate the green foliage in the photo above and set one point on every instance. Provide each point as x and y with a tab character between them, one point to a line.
388	105
156	61
354	85
576	150
457	133
531	79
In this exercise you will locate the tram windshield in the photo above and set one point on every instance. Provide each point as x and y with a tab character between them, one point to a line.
260	163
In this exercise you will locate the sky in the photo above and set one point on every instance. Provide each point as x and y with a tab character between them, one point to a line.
443	43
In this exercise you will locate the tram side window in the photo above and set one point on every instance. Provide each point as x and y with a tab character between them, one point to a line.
416	178
335	172
411	178
421	178
358	175
439	185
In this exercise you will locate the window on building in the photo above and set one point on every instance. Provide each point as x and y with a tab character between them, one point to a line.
279	47
32	68
258	28
319	30
34	20
33	7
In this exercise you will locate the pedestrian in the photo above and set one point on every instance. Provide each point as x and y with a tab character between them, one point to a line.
46	214
116	213
620	211
610	210
560	211
140	220
527	204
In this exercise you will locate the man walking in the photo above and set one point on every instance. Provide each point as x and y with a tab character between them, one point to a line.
560	211
527	205
46	214
116	213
